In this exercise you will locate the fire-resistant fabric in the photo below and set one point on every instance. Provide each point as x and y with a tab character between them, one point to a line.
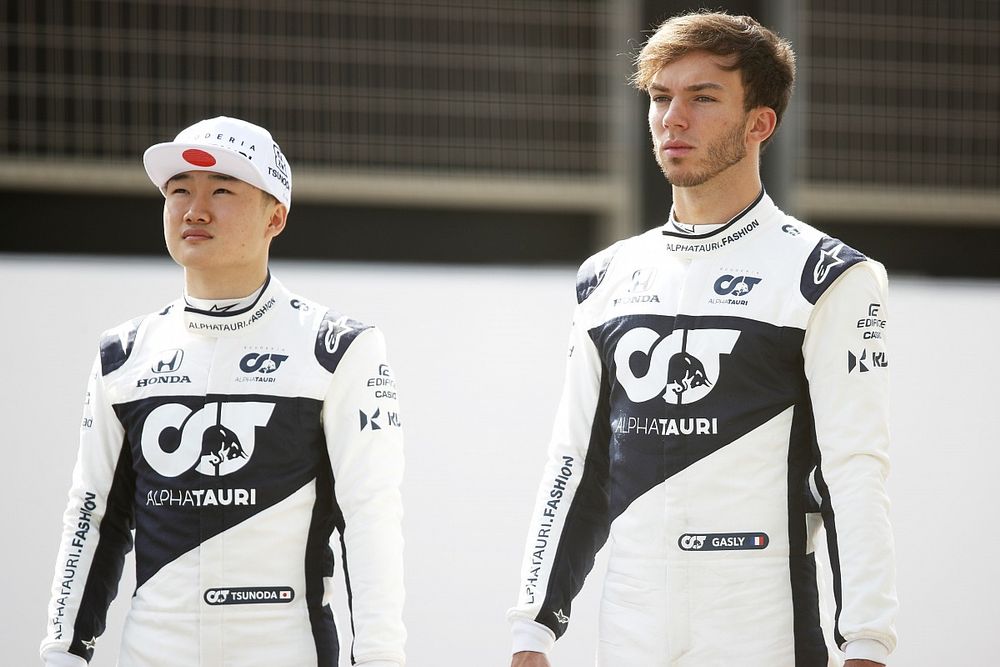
725	407
234	443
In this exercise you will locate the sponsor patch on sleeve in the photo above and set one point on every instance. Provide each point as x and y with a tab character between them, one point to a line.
828	260
335	335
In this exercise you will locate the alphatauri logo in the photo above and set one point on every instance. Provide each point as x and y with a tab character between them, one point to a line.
216	440
261	363
735	285
682	366
691	542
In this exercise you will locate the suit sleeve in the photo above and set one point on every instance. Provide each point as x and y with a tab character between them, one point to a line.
569	522
96	532
847	368
365	441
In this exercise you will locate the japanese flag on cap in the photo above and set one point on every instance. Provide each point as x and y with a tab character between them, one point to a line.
227	146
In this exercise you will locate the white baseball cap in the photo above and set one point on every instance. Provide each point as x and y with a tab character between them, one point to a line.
227	146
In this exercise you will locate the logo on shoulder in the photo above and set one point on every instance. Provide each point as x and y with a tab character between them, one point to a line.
828	259
299	305
790	229
250	595
723	542
337	330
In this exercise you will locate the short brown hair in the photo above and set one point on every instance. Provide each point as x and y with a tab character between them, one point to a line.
765	61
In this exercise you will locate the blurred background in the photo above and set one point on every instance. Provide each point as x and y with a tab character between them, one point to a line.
453	162
492	130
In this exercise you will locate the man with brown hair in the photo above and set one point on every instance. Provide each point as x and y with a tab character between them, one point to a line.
725	400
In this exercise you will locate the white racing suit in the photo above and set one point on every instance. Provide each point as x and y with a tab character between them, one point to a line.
234	444
725	396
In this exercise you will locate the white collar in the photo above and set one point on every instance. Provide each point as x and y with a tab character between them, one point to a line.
237	317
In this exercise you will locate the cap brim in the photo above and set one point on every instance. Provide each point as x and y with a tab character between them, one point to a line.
166	160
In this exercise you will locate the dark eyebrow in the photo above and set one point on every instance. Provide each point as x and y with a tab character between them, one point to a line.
693	88
184	176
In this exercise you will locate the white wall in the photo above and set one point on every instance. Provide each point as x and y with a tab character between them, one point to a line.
479	354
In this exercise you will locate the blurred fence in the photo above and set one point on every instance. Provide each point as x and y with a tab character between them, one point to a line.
492	103
473	86
423	102
902	109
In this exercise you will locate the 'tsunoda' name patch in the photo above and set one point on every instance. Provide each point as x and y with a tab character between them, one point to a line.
250	595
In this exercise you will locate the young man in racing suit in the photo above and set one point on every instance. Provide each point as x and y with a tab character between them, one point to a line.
725	396
233	431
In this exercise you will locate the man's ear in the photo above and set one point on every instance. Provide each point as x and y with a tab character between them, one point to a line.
762	123
276	223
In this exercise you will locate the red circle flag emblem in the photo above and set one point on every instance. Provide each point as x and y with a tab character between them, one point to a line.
198	157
